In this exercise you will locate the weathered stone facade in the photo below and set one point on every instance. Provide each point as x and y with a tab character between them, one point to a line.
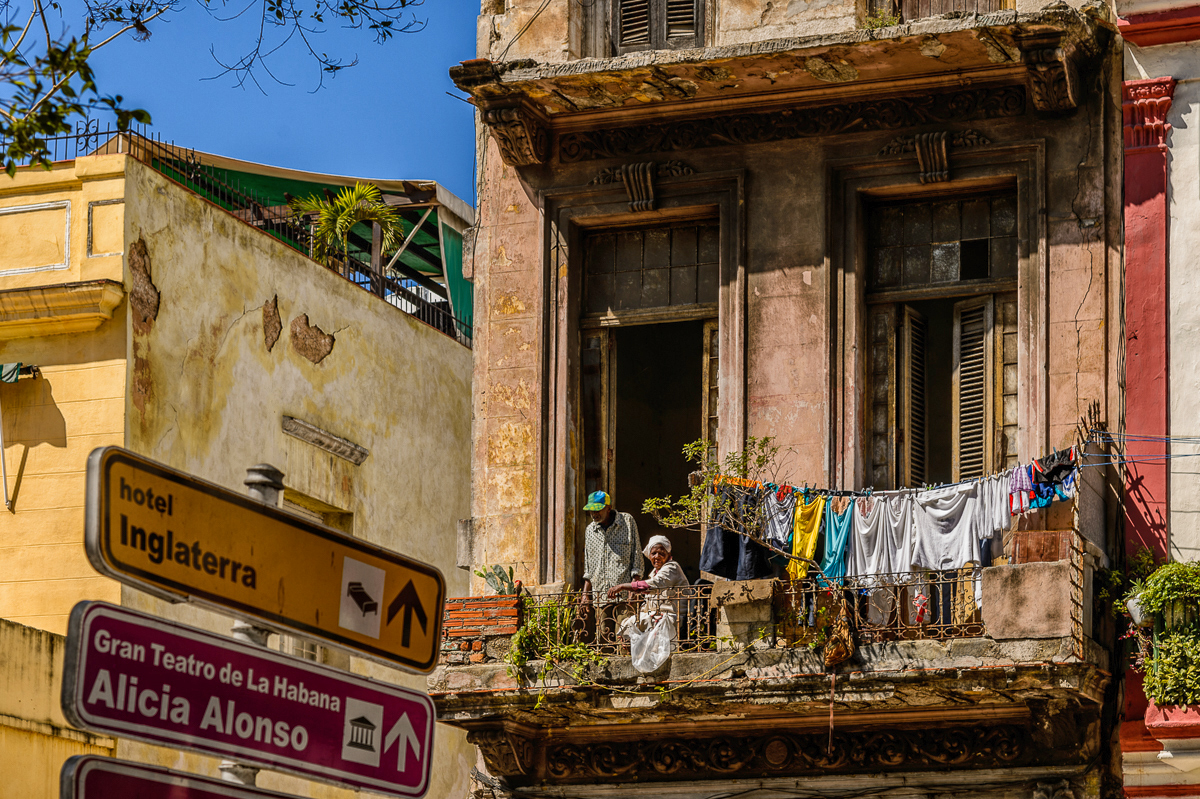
786	134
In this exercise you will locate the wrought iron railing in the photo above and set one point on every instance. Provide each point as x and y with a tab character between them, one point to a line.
184	166
882	607
555	621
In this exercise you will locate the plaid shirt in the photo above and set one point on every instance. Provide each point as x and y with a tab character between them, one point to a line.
611	555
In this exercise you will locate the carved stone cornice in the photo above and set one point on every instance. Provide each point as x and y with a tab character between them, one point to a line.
521	138
1144	105
55	310
1053	77
638	180
768	753
883	114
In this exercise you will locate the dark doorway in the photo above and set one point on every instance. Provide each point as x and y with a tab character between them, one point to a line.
658	410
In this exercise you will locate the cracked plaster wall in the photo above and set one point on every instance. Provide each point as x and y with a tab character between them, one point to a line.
213	398
1183	300
788	313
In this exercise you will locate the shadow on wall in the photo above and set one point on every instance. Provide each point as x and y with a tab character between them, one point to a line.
30	417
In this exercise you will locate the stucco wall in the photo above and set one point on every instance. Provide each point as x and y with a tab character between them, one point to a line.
52	423
207	396
1069	360
35	739
1182	62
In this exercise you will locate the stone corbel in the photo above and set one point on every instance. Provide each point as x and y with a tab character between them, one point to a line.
521	138
1053	76
639	178
1060	789
932	150
1144	105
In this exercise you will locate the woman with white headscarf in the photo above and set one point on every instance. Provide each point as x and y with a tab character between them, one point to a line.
667	574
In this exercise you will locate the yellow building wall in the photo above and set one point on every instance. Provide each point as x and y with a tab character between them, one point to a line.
208	396
35	739
50	424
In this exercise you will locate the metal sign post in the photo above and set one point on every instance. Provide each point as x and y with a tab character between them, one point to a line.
132	675
186	539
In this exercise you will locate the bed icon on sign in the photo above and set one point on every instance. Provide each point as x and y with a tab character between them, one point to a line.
361	598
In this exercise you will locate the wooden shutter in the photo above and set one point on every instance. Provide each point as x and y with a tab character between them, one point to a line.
710	402
881	405
912	367
633	24
597	409
973	388
681	21
1006	361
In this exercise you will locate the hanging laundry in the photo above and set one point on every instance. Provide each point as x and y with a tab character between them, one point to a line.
719	553
1052	469
753	558
779	507
946	527
837	535
9	372
1020	491
869	551
807	525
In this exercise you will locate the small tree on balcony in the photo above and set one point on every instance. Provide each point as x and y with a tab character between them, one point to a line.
333	218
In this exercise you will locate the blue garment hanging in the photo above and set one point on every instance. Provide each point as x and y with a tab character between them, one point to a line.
837	536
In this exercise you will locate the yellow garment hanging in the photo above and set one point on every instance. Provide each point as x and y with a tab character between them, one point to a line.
804	534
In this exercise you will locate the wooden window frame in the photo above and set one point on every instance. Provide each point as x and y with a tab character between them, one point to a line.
569	213
857	182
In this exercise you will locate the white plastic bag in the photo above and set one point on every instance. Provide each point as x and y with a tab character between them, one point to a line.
651	648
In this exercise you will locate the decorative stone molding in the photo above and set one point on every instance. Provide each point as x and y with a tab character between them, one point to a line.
931	150
639	180
521	139
62	308
1053	78
1144	105
323	439
756	128
771	754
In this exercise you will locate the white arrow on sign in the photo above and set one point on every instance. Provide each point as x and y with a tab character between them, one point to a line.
403	728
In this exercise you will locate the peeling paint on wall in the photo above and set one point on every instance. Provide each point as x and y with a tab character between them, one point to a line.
829	71
143	294
272	326
309	340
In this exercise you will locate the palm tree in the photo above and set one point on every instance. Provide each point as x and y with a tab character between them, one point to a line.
335	216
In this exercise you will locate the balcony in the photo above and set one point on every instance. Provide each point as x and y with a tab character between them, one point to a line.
989	668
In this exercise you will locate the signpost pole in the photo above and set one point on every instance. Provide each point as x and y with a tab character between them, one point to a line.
265	483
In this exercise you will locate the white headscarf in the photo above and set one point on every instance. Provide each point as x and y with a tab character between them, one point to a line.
655	540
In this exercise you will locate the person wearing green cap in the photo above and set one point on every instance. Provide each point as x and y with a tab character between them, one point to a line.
612	552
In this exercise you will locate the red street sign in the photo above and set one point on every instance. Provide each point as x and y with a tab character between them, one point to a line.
136	676
93	777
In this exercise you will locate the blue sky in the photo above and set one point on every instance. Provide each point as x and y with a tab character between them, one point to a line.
387	117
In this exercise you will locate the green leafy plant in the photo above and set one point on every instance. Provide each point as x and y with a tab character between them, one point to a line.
548	634
1170	585
1173	676
759	461
333	218
1115	586
498	579
880	19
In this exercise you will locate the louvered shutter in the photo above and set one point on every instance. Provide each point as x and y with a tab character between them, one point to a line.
681	21
912	367
633	24
881	407
973	388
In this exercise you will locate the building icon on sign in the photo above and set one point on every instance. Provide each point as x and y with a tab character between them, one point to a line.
362	734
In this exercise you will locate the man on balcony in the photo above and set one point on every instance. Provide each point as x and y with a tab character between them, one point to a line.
612	555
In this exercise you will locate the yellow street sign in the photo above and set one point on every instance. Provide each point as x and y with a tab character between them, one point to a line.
186	539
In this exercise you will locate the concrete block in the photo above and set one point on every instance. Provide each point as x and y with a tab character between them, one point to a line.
1029	600
742	592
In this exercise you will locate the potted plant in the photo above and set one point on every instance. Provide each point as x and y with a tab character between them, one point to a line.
1133	604
1170	657
1173	593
